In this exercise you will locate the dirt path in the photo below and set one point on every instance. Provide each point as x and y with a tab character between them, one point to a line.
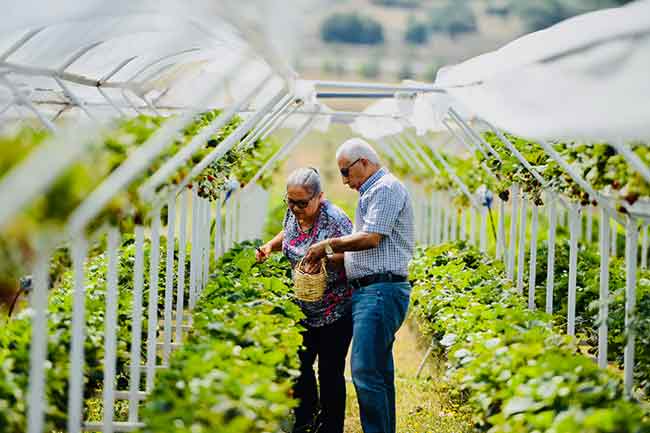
422	404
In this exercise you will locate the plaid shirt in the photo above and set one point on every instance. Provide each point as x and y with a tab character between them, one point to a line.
384	207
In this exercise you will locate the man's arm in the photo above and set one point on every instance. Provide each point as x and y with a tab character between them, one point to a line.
360	241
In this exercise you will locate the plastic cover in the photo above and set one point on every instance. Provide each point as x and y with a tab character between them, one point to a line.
585	78
167	51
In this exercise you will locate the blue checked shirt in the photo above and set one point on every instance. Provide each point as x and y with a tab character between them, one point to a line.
384	207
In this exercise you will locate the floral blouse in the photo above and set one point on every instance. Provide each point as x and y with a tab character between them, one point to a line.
331	222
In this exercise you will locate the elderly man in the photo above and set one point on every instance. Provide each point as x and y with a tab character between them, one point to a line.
376	262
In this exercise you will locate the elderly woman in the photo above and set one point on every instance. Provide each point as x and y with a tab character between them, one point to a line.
311	219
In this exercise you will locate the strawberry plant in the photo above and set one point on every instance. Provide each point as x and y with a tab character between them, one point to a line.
48	213
512	369
15	340
234	372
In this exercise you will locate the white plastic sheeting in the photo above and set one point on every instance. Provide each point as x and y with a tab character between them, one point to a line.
585	78
125	56
385	119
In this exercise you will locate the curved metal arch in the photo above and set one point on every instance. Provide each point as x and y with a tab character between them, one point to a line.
20	42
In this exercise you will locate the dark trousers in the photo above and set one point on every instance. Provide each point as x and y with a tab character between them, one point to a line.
330	343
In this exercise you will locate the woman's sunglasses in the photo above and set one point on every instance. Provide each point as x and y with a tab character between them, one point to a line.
300	204
345	171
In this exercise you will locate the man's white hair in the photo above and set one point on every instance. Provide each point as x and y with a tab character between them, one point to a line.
357	148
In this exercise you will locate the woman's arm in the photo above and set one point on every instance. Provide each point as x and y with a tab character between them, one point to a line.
275	244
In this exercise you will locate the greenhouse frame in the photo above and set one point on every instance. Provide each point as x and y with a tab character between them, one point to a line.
75	73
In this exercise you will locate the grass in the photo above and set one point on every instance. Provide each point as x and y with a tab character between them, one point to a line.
423	404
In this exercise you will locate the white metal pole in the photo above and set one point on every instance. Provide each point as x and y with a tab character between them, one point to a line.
201	238
590	224
454	224
206	242
445	224
550	262
443	219
198	246
644	246
574	229
154	268
432	219
521	258
169	278
205	220
110	333
501	233
603	310
463	224
514	198
631	246
195	205
421	218
472	226
533	257
237	221
438	217
227	223
38	346
217	227
614	237
136	326
483	234
182	248
75	394
197	142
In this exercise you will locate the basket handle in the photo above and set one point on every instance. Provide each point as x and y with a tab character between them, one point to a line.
322	265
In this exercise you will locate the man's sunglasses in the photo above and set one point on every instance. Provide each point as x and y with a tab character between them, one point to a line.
300	204
345	171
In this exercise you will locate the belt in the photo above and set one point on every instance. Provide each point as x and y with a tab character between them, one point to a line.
377	278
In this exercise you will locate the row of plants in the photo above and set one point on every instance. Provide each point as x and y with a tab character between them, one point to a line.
512	370
234	372
15	339
597	163
237	365
587	304
45	217
464	167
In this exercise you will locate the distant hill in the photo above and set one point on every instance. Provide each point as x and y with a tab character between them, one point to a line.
496	22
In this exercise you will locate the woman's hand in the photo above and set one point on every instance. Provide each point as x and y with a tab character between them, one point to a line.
311	267
314	255
262	253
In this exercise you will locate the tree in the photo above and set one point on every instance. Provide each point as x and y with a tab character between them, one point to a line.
540	14
352	28
398	3
431	71
370	69
416	32
453	18
500	8
405	72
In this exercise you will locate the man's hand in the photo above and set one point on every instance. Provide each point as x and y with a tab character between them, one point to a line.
262	253
311	262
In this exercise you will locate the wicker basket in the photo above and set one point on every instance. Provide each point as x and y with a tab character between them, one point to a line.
309	287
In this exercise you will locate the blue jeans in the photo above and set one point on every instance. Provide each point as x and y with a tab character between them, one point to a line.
378	311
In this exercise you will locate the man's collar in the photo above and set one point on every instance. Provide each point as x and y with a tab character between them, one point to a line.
372	179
